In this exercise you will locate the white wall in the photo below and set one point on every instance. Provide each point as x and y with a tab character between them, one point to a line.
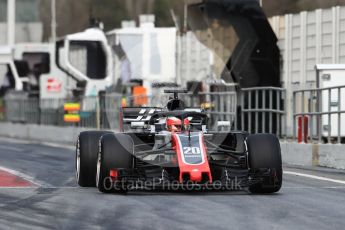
25	32
307	39
195	59
310	38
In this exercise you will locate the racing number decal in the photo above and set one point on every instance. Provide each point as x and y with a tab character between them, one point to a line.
191	150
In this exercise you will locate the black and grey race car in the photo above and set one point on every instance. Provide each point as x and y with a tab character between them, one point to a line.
171	148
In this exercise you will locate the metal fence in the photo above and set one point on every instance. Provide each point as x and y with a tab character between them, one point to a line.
221	106
49	111
110	107
262	110
255	110
319	114
306	39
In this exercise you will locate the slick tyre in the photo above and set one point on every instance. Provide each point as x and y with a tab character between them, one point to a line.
116	152
86	157
264	154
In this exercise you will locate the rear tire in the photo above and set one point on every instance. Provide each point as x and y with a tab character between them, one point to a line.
264	153
86	157
116	152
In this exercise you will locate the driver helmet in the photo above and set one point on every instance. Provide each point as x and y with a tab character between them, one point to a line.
173	124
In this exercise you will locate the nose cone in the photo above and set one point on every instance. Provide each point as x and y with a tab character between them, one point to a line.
195	175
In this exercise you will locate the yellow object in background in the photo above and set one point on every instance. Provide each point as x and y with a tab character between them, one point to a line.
72	107
123	102
72	118
207	105
72	112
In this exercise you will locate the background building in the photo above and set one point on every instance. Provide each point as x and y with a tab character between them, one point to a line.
28	25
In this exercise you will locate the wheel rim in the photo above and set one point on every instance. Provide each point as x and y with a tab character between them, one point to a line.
78	161
98	169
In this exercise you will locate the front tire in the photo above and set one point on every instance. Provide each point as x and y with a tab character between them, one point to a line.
116	152
264	154
86	157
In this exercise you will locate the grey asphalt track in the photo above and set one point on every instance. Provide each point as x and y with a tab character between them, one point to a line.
58	203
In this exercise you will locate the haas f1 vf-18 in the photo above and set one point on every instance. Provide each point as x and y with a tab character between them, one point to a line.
171	148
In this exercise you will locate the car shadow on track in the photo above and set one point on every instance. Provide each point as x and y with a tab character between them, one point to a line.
192	193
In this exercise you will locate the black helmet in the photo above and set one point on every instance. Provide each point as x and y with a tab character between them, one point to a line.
175	104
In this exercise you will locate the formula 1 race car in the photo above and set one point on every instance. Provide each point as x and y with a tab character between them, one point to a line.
171	148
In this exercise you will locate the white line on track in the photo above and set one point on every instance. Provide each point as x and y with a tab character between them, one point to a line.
11	148
310	187
24	176
314	177
49	144
70	147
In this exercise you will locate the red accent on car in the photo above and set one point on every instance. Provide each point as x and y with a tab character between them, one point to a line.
194	171
113	174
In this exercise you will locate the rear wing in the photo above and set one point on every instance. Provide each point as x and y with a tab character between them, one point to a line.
137	117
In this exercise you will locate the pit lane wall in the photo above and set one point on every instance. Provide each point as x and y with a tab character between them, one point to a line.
326	155
40	133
